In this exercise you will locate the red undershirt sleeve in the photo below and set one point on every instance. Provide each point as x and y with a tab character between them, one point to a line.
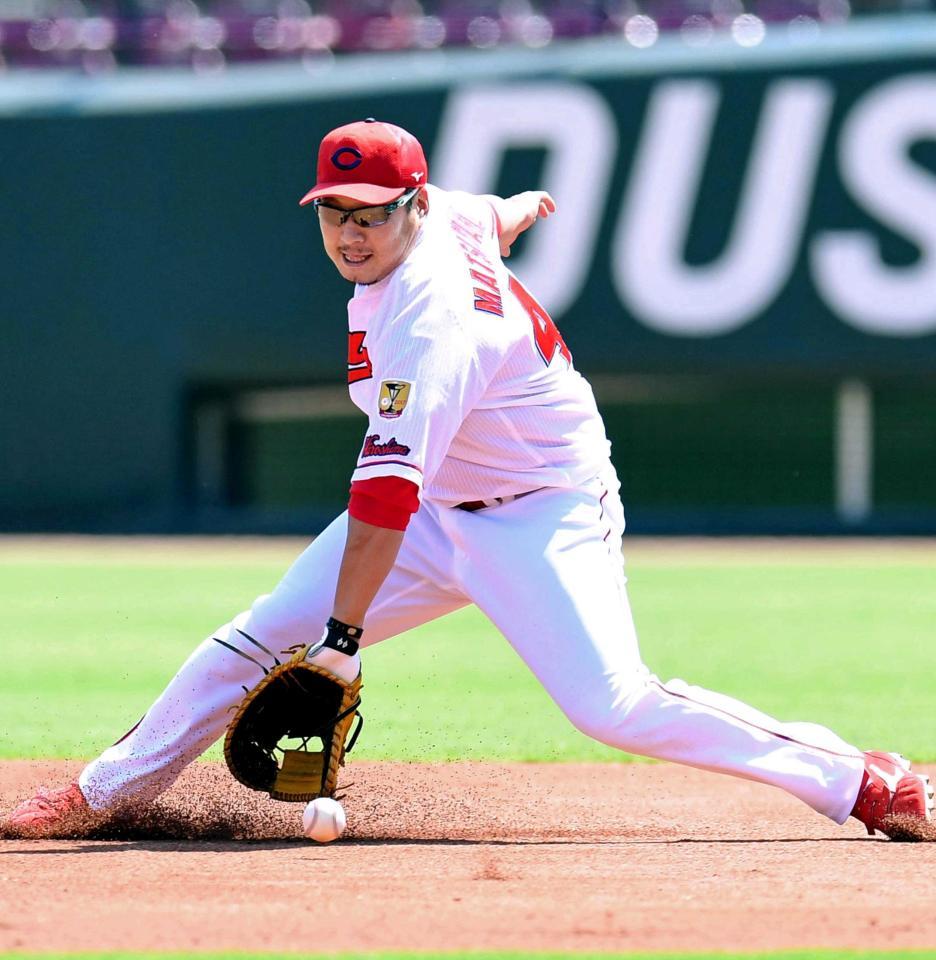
384	501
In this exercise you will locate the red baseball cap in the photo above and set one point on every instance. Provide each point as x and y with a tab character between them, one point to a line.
370	162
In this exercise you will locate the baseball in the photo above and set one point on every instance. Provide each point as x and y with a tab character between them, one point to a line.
323	820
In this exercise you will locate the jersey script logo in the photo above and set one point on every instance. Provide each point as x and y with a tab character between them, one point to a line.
372	448
393	397
359	365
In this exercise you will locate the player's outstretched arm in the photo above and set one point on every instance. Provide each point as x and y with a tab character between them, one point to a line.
369	555
519	213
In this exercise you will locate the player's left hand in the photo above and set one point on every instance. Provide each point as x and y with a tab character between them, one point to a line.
519	212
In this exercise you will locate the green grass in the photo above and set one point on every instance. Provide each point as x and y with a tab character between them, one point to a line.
488	955
841	635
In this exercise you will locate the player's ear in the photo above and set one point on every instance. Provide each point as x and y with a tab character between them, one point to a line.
421	202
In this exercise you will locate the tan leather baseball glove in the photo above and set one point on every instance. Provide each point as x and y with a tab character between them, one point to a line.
288	736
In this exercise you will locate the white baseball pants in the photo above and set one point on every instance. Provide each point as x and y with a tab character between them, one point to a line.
547	570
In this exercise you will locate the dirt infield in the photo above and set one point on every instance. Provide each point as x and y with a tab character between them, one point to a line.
468	855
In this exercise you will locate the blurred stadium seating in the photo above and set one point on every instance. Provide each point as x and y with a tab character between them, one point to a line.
99	35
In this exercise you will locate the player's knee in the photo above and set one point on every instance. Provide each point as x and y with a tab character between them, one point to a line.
274	623
592	719
249	627
610	727
278	621
605	714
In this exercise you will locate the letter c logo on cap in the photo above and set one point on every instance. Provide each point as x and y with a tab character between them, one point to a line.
345	164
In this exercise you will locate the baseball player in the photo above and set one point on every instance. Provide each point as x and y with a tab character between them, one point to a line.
483	477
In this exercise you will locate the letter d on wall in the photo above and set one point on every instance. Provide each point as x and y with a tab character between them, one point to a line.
575	126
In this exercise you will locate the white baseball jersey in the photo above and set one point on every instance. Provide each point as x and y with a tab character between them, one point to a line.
468	387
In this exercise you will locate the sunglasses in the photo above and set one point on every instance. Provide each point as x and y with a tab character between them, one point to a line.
362	216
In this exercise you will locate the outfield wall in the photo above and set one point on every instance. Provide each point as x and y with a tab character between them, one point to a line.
754	227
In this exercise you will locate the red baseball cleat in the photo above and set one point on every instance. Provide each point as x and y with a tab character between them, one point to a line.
51	813
889	789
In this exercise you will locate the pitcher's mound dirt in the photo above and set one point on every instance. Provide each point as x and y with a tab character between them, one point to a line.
467	856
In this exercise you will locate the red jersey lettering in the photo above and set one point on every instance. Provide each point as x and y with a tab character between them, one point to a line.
486	279
547	336
480	268
488	302
359	365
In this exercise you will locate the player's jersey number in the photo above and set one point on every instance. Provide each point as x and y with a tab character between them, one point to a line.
547	336
359	364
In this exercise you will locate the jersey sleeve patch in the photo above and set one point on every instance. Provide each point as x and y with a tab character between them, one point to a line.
393	397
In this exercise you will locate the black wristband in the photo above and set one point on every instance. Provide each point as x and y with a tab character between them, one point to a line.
342	636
